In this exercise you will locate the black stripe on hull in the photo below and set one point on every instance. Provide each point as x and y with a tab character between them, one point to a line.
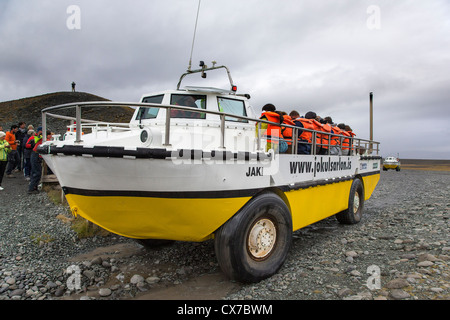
221	194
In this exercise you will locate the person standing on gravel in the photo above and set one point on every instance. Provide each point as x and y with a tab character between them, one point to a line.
36	162
20	134
27	154
4	150
13	157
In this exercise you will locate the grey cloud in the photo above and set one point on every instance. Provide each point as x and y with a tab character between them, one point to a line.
296	54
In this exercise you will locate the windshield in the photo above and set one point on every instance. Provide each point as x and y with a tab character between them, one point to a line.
188	100
149	113
232	106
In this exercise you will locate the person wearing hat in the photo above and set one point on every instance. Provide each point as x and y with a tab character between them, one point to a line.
36	163
5	149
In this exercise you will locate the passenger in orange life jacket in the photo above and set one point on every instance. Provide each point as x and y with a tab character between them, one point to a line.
352	134
304	137
272	132
287	132
317	126
346	141
334	142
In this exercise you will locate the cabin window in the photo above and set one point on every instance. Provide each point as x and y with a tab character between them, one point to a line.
150	113
232	106
188	100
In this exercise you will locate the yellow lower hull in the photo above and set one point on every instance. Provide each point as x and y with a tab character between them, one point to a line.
197	219
157	218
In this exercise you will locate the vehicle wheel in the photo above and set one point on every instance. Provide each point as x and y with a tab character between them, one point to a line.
355	204
154	243
254	243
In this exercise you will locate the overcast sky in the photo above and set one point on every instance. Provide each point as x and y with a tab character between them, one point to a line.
308	55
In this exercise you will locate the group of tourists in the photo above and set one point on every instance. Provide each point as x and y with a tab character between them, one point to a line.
18	153
330	138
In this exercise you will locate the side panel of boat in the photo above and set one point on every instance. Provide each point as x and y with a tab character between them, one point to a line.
156	218
370	182
317	203
319	186
157	199
160	199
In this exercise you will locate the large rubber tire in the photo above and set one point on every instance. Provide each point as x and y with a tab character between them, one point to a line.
254	243
355	209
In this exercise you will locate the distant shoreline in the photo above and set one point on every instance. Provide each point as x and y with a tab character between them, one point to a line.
425	164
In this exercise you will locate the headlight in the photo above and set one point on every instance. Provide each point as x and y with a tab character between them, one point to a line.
146	137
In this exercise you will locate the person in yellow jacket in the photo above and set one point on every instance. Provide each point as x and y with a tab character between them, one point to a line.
5	149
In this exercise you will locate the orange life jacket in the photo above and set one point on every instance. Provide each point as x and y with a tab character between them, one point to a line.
287	132
317	126
352	135
335	140
273	132
345	142
322	138
307	124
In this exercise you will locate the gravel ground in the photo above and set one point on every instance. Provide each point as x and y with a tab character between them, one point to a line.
404	236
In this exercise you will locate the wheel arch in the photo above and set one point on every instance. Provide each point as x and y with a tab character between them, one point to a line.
273	190
280	193
358	176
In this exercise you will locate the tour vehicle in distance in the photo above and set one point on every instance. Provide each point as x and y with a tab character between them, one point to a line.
391	163
193	165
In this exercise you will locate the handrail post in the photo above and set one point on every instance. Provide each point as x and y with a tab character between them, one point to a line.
78	124
222	131
44	127
329	143
294	139
258	142
167	129
314	142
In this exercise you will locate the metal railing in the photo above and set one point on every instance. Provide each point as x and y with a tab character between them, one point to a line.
356	145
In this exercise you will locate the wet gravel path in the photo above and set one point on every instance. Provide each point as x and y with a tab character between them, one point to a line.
400	250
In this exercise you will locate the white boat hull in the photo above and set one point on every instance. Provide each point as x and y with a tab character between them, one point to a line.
184	198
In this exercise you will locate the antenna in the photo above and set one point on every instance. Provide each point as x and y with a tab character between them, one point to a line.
195	31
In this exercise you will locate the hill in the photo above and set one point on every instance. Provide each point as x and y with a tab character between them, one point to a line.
29	110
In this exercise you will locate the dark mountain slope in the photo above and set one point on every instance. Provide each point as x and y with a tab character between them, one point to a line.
29	110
